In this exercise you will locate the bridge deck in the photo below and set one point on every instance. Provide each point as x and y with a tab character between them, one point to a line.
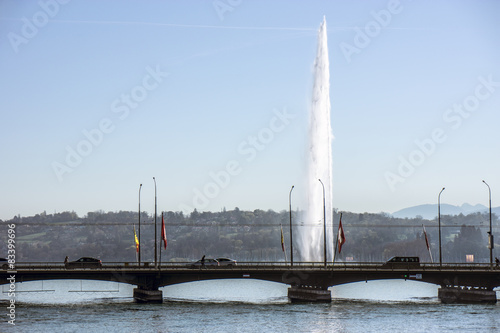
337	267
307	274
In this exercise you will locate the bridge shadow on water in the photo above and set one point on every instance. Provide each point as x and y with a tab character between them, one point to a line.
216	291
83	291
256	282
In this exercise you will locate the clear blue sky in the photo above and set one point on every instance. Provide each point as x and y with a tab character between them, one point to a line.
189	91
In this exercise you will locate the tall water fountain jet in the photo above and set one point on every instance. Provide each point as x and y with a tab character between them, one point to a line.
319	161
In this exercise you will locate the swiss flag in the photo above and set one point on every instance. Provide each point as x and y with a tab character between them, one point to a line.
163	233
426	239
341	236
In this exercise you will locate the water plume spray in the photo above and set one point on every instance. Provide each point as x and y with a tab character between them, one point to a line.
319	155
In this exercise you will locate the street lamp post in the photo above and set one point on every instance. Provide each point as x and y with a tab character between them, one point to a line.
140	186
491	243
156	255
291	238
324	222
439	227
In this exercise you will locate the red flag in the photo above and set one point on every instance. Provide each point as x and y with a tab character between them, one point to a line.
426	240
341	236
163	233
427	243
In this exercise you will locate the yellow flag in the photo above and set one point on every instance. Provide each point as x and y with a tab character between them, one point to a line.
136	241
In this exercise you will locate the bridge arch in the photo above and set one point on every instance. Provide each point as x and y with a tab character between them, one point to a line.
313	278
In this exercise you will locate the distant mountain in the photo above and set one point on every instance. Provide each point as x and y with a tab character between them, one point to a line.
430	211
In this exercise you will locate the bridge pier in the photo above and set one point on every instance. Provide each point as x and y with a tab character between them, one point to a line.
144	295
452	294
309	294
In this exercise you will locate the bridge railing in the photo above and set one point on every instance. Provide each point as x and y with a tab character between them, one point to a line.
39	265
183	265
167	265
266	265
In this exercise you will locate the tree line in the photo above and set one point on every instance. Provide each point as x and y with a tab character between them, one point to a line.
242	235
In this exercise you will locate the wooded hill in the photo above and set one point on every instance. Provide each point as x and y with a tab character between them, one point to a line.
241	235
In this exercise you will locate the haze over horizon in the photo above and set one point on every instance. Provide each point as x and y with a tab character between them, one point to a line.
406	212
212	98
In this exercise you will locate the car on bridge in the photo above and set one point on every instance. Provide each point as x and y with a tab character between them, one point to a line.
4	263
402	262
84	262
204	263
226	262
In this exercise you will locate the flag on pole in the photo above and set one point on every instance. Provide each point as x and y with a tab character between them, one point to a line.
282	239
163	233
427	243
426	239
136	241
341	236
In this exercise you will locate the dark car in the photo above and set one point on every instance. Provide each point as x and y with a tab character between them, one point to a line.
226	262
84	262
204	263
4	263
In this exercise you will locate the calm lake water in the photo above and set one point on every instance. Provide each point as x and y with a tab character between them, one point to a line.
240	306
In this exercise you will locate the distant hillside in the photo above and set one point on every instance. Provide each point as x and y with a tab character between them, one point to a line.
241	235
430	211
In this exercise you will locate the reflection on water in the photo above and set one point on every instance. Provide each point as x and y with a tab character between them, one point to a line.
67	291
250	291
387	290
